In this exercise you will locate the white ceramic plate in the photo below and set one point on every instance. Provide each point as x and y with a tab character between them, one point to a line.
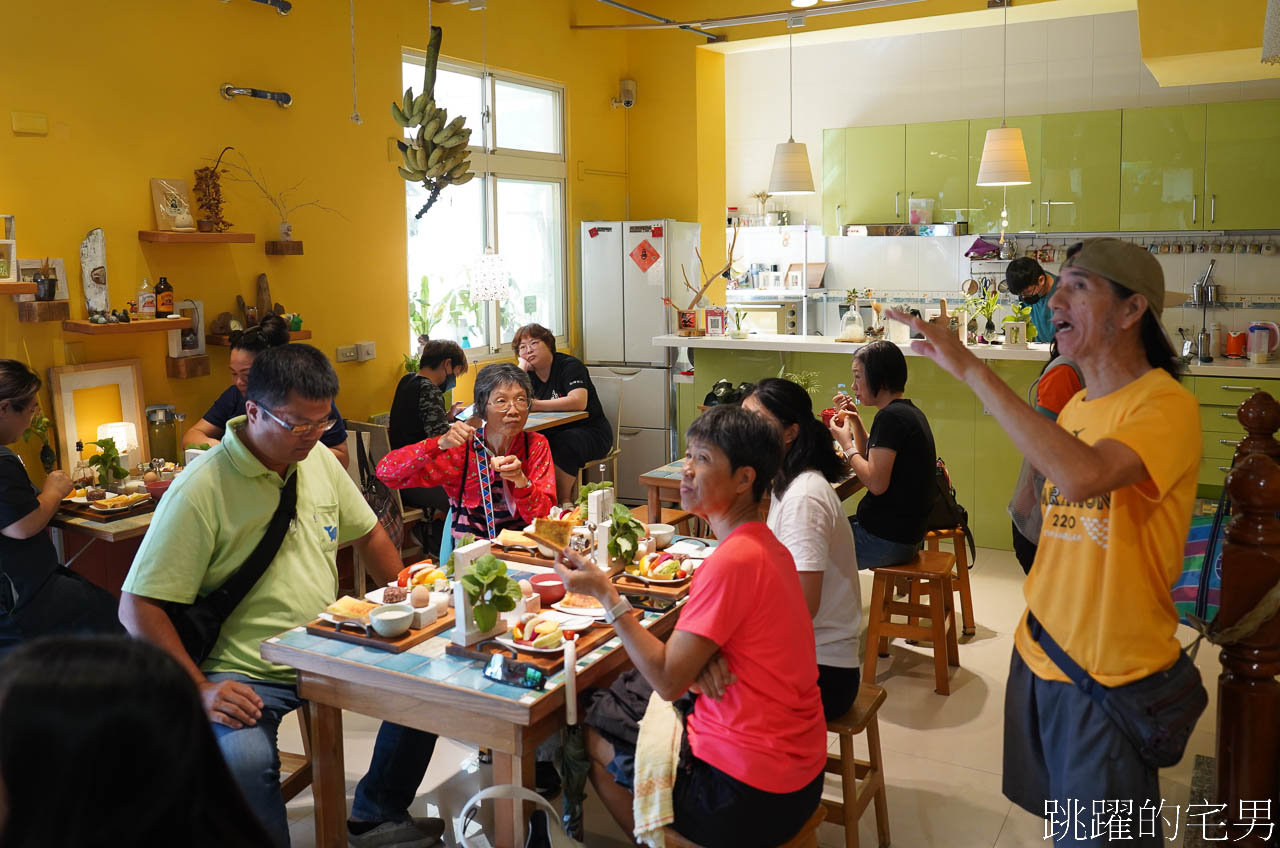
657	582
109	509
592	612
507	641
376	597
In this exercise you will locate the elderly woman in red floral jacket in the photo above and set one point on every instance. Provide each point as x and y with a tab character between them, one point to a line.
506	486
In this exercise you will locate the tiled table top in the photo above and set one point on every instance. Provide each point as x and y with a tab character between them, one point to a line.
546	420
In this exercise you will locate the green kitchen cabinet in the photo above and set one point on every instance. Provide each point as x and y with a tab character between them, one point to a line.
1162	169
874	175
832	182
1080	172
997	461
937	166
985	202
1242	170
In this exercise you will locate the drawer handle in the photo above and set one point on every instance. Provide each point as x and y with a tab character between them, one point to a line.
1235	443
628	432
1224	467
1227	415
1239	388
623	373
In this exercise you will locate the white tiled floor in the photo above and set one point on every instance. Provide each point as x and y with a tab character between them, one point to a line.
942	753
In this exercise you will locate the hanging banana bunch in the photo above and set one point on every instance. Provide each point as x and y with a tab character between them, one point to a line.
437	154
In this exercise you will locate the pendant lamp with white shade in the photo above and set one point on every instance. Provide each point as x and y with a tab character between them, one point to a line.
1004	156
791	172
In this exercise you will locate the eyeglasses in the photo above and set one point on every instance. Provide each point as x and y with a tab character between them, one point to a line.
528	347
502	404
302	429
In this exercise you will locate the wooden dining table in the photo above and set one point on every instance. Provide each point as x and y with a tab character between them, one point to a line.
539	421
427	689
664	485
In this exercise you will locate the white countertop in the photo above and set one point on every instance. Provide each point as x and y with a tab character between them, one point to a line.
1220	367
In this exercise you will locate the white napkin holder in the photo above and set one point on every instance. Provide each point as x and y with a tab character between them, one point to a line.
465	632
600	505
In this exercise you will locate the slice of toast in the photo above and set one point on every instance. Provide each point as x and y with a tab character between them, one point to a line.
553	533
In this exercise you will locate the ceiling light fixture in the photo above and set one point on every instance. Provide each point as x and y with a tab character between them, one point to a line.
804	4
1004	156
490	276
791	171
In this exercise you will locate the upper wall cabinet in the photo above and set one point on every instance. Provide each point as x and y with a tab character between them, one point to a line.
1080	172
1242	165
833	182
874	174
1162	169
985	202
937	166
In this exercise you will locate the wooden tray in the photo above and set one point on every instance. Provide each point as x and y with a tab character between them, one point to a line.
588	641
86	511
320	627
628	585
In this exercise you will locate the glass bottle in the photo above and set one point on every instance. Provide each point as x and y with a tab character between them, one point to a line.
851	327
146	300
82	474
164	298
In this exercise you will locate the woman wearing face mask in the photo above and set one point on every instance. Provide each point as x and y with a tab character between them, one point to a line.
38	597
271	331
418	411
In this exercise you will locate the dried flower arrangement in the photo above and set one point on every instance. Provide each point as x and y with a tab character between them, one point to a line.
208	189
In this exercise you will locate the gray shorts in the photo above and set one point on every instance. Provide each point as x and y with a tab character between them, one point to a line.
1065	761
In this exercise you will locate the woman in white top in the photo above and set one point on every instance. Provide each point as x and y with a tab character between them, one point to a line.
807	518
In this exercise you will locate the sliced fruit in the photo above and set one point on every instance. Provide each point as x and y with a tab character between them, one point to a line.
550	640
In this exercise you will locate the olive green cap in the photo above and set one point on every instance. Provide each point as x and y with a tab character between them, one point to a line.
1128	264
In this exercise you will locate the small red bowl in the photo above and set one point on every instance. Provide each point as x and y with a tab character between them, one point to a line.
549	587
157	488
827	415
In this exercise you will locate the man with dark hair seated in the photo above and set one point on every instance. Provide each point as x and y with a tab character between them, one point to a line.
207	525
1033	285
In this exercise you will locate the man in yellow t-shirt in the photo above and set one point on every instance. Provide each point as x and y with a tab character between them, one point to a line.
1120	466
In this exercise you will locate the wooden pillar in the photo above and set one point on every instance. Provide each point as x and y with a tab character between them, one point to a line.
1248	732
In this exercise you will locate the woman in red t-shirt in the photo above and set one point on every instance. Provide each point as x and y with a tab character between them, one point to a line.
752	771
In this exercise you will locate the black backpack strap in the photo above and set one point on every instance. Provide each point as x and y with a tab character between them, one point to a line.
228	596
362	462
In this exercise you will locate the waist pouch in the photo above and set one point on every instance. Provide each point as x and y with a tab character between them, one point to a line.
1156	713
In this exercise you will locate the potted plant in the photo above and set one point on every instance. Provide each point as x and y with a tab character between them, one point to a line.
984	305
1022	315
110	471
807	380
40	429
625	533
482	592
736	315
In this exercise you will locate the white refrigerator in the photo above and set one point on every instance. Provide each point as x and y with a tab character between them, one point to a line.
628	267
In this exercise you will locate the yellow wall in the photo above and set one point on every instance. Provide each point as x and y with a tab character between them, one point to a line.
131	92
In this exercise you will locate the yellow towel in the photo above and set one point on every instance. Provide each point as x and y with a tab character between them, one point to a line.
656	760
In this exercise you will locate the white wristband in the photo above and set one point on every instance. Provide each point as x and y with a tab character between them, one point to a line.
621	608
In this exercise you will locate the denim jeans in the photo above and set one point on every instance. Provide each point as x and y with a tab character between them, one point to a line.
874	552
400	758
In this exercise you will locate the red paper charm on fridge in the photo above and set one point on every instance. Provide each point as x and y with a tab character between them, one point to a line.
656	232
593	232
644	255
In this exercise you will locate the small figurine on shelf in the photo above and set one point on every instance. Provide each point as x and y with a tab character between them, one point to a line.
295	322
119	316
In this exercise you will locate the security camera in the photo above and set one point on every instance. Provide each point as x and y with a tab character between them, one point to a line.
626	94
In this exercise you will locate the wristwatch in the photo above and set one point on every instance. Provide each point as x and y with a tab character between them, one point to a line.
621	608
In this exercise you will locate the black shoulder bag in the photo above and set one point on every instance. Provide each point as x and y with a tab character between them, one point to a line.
199	623
1156	713
946	512
378	496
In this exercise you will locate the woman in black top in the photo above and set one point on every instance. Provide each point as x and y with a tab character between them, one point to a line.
38	596
418	411
896	461
561	384
271	331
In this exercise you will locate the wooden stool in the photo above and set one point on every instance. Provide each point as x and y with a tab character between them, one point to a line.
297	766
960	580
856	798
806	838
932	571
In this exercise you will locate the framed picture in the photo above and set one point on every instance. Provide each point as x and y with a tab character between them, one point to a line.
87	396
188	342
172	201
714	317
688	319
27	270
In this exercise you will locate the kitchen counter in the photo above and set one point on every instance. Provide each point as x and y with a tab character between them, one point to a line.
1034	352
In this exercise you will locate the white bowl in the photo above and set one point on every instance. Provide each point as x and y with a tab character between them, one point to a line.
662	534
391	620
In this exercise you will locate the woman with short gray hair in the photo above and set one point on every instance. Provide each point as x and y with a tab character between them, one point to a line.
496	475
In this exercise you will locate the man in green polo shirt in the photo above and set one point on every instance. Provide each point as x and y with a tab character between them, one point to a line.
209	521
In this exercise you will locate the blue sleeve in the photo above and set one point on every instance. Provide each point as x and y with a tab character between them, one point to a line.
338	435
228	405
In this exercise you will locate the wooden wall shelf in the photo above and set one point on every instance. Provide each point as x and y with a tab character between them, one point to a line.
158	325
17	288
225	340
186	367
34	311
164	237
284	248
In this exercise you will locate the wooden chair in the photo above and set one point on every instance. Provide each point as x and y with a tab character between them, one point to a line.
931	572
806	838
377	444
855	796
960	579
297	767
609	391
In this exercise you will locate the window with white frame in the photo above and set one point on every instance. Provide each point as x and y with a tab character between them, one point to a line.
515	205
